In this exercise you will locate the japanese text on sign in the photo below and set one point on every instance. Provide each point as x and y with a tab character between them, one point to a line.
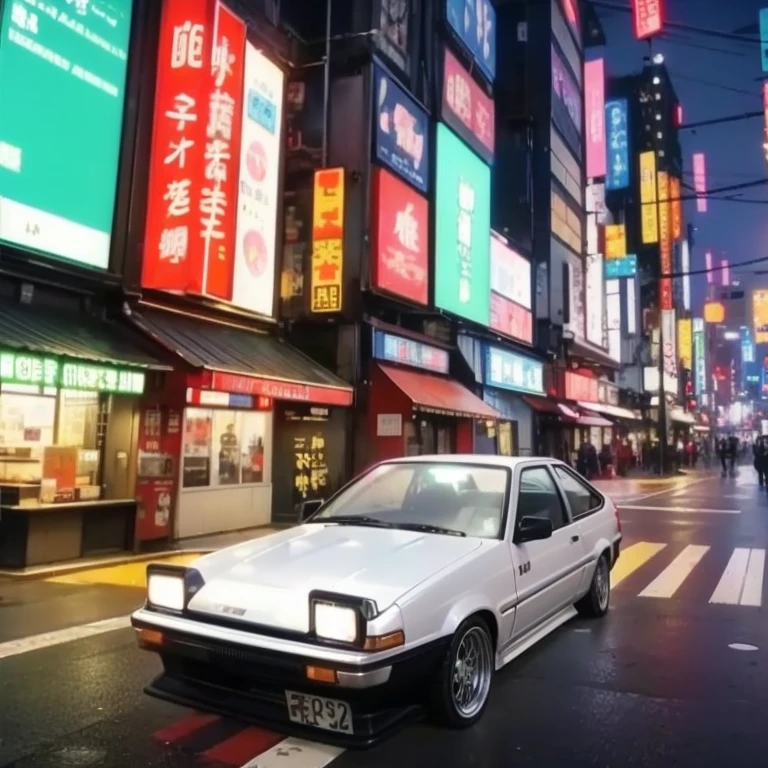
649	218
327	240
221	158
665	242
464	240
310	466
177	146
36	370
647	15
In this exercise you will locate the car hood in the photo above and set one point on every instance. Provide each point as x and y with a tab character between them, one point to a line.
267	581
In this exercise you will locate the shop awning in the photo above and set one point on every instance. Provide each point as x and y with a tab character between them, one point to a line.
243	361
435	394
590	419
681	417
586	351
76	335
550	405
612	410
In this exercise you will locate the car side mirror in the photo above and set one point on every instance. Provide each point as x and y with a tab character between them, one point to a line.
533	529
305	509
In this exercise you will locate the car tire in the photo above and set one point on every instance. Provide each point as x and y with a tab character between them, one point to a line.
595	603
452	704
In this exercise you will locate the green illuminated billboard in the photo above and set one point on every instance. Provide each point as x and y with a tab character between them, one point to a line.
462	230
62	87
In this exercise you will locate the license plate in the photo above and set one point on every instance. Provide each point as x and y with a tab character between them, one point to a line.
319	712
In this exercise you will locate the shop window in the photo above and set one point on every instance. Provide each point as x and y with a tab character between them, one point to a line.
78	419
224	447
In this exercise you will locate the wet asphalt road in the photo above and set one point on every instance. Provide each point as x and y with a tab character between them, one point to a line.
654	684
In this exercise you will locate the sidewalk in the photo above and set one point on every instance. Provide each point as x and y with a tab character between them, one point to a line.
183	550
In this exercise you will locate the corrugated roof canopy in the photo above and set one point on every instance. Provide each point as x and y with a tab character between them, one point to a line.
70	334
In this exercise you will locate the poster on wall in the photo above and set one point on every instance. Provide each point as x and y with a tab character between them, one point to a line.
462	229
467	108
159	451
393	36
40	166
400	234
475	24
401	131
258	200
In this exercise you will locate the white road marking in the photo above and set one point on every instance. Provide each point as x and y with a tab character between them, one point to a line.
670	489
753	584
49	639
731	585
671	578
295	753
691	510
742	647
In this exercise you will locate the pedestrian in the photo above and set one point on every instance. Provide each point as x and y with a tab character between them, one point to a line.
722	452
581	460
733	449
760	460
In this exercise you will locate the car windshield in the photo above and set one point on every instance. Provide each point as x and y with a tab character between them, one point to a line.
440	497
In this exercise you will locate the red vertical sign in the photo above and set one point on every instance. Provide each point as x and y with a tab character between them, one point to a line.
648	18
222	157
172	240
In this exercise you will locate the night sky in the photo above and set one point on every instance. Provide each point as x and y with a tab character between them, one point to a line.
713	78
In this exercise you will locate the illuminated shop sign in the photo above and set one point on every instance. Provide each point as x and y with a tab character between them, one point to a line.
507	370
42	371
397	349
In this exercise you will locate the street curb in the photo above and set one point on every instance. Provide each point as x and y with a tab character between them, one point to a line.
46	572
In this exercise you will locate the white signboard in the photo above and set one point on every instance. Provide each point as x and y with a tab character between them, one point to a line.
510	273
576	294
258	203
595	294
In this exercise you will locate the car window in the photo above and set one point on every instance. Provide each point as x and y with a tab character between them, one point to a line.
461	498
539	497
581	499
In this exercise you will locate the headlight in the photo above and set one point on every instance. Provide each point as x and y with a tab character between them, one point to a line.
336	622
166	591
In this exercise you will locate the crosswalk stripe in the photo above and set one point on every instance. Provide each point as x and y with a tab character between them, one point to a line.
632	558
729	588
671	578
753	584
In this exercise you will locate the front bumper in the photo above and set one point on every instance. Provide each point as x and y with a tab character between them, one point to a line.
248	682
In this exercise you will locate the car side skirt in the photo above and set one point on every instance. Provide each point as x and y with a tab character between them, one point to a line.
539	632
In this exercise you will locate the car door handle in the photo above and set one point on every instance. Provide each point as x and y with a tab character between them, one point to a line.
574	539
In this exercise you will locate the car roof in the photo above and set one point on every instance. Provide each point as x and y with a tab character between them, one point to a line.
472	458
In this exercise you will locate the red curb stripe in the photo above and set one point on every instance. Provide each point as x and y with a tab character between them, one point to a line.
182	729
242	747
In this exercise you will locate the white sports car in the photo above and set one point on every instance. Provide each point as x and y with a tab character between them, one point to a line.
406	591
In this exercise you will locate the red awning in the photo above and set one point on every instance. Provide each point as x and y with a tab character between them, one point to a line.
435	394
590	419
551	406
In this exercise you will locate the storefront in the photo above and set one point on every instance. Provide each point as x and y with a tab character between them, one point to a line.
70	393
244	430
508	377
413	406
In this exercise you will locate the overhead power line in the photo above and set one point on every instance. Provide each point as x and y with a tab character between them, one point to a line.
718	268
720	120
714	33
